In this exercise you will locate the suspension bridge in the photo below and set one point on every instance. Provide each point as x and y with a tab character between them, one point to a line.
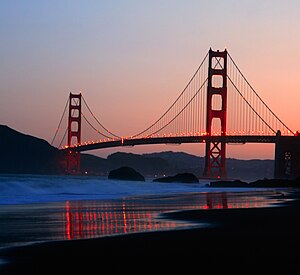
217	106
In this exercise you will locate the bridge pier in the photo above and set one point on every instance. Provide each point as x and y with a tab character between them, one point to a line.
73	162
287	157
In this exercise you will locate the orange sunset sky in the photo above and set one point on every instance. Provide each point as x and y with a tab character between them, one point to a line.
131	59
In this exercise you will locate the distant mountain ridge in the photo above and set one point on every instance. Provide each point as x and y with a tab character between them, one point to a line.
26	154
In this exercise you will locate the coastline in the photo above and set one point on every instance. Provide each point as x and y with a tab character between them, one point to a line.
260	240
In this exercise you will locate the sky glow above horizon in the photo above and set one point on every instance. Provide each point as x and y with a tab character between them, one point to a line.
131	59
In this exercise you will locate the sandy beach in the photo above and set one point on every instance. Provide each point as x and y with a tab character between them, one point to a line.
262	240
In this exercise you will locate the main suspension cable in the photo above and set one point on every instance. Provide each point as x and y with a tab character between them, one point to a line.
116	136
59	124
161	117
93	126
259	96
188	103
250	105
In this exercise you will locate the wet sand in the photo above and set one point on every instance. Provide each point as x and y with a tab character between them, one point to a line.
239	241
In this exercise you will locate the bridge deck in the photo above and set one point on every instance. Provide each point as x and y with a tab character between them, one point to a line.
174	140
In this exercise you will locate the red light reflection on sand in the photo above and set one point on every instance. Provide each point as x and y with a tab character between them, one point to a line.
69	220
216	202
103	218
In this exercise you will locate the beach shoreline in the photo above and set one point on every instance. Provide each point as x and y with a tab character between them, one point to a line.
242	241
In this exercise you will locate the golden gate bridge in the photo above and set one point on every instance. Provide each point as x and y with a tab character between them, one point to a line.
217	106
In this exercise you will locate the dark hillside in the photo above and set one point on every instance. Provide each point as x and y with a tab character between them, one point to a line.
22	153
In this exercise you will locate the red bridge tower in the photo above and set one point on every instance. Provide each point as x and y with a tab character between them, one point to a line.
74	133
215	158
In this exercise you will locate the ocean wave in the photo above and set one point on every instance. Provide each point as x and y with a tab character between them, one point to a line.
19	189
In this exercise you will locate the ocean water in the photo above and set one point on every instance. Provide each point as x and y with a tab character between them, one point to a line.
27	189
50	208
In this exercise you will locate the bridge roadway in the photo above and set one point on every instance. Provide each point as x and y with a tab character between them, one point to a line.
174	140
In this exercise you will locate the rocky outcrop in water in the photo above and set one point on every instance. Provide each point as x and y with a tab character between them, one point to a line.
126	173
258	183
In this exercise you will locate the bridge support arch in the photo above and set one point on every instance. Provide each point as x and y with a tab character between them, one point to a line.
215	157
74	134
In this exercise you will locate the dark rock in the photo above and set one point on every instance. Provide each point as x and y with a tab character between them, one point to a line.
227	183
258	183
276	183
125	173
183	177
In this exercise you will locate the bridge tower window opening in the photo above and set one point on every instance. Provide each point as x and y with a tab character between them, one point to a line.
216	102
74	141
217	62
216	127
74	128
217	81
75	113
